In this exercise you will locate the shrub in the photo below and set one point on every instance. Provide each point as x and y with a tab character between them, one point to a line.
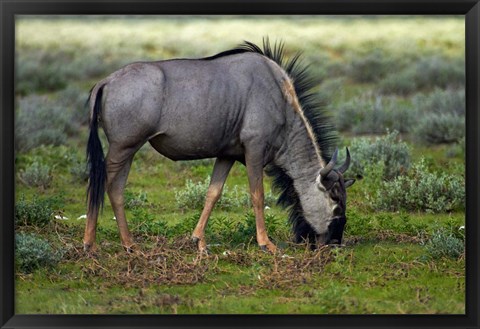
135	200
188	164
442	117
193	196
41	70
36	175
37	212
373	115
426	73
444	244
457	150
73	100
389	151
32	252
370	67
441	102
40	122
437	71
399	83
79	171
422	190
440	128
241	198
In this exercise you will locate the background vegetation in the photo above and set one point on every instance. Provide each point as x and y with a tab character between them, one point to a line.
395	89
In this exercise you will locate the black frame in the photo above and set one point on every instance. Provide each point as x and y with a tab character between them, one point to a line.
10	8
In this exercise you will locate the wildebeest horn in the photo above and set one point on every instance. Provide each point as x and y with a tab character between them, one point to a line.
326	170
346	164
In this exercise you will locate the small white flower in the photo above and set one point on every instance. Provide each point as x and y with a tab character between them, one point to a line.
267	207
61	217
461	228
82	217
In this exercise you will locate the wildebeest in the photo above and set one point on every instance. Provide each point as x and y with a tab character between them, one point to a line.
246	104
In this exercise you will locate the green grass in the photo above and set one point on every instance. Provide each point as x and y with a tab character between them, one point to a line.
386	266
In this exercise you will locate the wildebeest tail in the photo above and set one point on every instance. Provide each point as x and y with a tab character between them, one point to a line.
95	157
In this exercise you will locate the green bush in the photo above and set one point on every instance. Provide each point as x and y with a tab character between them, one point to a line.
241	198
399	83
392	154
371	67
445	244
457	149
36	175
58	157
41	70
39	122
135	200
441	72
373	115
440	128
192	196
73	100
32	252
78	170
442	117
422	190
427	73
37	212
441	102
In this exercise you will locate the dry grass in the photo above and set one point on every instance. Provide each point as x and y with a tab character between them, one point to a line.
159	260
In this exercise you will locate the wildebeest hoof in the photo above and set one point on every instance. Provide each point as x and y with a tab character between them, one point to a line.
271	249
204	251
89	248
201	245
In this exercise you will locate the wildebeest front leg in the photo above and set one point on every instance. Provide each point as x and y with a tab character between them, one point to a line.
255	179
219	175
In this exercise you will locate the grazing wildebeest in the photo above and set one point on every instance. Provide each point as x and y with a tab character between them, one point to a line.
246	104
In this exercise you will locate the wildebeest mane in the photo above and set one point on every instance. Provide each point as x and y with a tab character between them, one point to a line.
315	112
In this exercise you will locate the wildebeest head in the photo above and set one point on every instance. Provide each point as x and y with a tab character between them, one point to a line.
332	185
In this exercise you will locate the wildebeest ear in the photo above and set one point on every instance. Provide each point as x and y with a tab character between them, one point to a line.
349	182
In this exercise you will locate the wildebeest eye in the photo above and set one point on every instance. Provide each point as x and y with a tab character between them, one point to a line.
334	193
337	211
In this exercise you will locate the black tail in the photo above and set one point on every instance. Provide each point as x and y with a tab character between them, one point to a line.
96	159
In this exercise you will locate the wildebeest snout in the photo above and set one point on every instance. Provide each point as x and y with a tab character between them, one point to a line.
334	235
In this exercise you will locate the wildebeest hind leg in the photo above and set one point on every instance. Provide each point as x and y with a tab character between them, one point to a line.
255	178
219	175
118	166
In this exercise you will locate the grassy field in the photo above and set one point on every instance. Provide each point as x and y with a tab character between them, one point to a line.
395	89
